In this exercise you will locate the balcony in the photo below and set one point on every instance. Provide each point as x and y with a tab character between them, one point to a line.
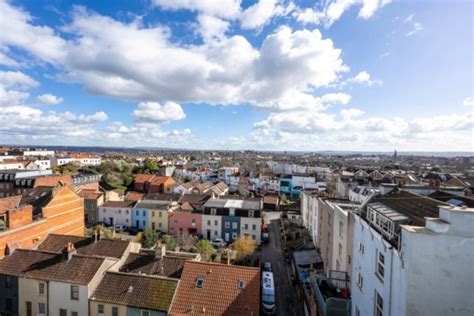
332	293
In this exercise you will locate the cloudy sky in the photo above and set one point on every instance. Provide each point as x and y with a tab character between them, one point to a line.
231	74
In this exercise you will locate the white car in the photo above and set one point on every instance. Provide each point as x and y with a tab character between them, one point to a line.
218	242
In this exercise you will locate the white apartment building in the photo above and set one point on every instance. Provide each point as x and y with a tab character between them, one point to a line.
412	256
211	226
252	227
116	213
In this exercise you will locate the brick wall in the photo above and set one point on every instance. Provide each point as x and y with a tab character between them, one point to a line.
63	215
20	217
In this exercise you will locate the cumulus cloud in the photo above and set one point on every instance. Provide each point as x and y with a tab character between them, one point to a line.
362	77
154	112
12	97
49	99
211	28
225	8
260	13
17	79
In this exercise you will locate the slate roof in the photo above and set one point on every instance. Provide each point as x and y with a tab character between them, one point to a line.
162	197
51	266
84	245
153	204
220	293
415	206
148	292
124	204
447	197
194	198
146	263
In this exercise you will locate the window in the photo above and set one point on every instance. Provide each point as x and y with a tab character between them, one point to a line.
378	304
114	311
8	281
246	226
159	225
126	212
28	308
145	313
137	212
153	225
144	223
241	284
199	282
213	211
341	228
62	312
144	213
193	221
120	211
360	280
232	212
215	233
126	220
234	225
41	308
234	235
100	309
74	314
340	250
361	248
227	224
153	213
254	227
159	214
215	223
253	237
380	265
208	223
251	213
75	292
41	288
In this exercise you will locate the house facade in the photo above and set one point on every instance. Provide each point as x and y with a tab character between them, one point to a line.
117	213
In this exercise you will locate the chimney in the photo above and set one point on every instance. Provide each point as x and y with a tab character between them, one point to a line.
160	250
69	251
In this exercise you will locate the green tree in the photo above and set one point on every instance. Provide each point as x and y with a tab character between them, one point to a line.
149	238
205	248
170	242
151	165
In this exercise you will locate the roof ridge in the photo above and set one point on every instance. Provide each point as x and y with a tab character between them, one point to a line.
220	264
152	276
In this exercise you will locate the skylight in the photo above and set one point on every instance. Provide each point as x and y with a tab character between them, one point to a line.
199	282
241	284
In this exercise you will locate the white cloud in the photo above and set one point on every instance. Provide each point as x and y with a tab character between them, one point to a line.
153	112
211	27
362	77
370	6
348	114
18	30
17	79
469	101
12	97
409	18
309	16
49	99
416	28
336	98
224	8
261	12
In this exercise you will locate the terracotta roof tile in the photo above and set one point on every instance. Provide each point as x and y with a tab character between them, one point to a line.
8	203
220	293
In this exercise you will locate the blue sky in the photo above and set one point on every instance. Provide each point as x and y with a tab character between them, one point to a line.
274	74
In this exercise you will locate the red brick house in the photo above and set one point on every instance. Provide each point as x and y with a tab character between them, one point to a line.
151	183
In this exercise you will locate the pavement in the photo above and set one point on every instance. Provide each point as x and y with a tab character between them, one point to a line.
287	302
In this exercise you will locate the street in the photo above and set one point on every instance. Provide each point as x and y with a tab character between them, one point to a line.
286	298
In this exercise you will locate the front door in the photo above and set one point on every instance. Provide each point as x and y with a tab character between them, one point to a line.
28	309
208	234
137	224
111	221
227	237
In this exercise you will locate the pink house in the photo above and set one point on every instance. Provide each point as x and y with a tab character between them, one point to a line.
185	221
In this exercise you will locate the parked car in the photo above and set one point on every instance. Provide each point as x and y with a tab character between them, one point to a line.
119	228
218	242
267	266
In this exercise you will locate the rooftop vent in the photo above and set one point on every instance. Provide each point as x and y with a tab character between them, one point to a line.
130	289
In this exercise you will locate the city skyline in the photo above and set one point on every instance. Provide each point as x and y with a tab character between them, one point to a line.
270	75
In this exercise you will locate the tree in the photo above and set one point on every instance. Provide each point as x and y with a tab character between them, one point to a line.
149	238
186	241
170	242
205	248
244	246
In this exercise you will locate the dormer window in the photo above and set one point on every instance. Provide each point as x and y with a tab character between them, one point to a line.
199	282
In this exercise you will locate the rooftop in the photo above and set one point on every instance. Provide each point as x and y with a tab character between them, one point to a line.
148	292
145	262
213	289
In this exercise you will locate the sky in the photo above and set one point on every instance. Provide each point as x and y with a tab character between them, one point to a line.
357	75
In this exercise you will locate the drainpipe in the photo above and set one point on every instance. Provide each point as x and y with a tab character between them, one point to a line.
47	298
391	277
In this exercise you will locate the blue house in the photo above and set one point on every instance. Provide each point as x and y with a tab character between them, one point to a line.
286	186
230	228
140	218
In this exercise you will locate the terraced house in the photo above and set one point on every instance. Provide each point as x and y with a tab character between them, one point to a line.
229	218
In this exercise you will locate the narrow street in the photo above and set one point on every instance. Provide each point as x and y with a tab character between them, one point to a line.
286	298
